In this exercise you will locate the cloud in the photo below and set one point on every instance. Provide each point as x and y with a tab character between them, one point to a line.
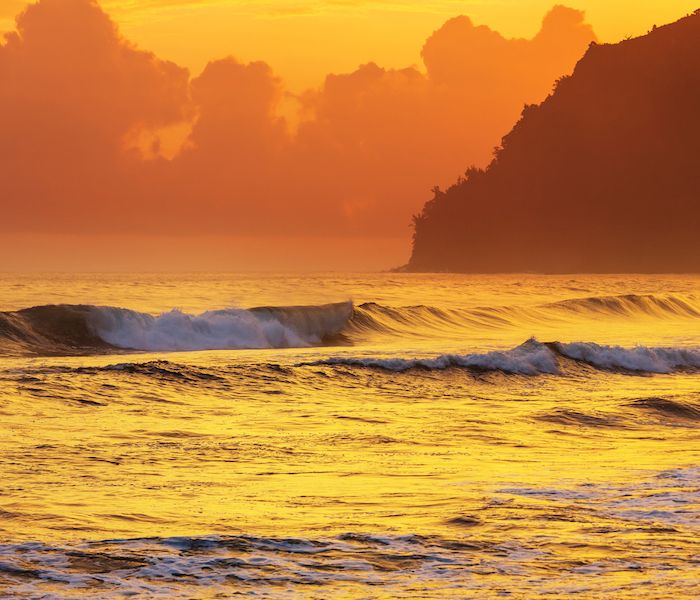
370	144
67	59
71	90
387	136
463	55
237	106
232	163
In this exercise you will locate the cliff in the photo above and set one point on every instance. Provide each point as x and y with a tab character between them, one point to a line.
603	176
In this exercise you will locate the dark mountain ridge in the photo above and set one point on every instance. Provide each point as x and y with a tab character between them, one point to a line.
603	176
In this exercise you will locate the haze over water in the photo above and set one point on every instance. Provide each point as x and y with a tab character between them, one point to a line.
425	438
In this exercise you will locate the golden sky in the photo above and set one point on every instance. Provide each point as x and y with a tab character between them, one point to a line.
305	40
105	141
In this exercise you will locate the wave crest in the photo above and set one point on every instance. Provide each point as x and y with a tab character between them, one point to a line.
537	358
79	329
640	358
629	305
283	327
371	318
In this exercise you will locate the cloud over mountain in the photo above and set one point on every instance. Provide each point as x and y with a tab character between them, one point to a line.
75	95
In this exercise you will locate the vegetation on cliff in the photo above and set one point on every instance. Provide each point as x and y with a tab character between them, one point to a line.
603	176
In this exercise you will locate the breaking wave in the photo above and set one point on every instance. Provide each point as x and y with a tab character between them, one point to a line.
81	329
537	358
68	329
640	358
530	358
278	327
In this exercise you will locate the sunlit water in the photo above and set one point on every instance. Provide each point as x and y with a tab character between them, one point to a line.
428	440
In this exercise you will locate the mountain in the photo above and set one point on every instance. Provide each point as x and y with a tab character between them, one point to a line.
603	176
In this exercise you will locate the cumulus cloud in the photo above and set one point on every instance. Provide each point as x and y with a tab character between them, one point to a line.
387	136
74	96
71	89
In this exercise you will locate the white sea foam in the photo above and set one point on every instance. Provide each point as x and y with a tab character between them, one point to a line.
530	358
221	329
536	358
670	498
639	358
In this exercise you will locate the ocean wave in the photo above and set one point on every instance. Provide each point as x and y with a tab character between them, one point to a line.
668	408
80	329
225	566
537	358
50	330
530	358
639	412
628	305
161	369
667	499
452	564
576	418
269	327
640	358
372	318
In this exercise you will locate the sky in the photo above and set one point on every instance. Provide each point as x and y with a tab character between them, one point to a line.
281	135
304	41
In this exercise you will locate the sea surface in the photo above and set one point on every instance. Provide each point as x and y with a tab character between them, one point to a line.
350	436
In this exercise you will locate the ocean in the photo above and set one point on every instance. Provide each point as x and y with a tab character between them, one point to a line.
350	436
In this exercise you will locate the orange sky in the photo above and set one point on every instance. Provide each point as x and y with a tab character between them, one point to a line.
107	147
305	40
